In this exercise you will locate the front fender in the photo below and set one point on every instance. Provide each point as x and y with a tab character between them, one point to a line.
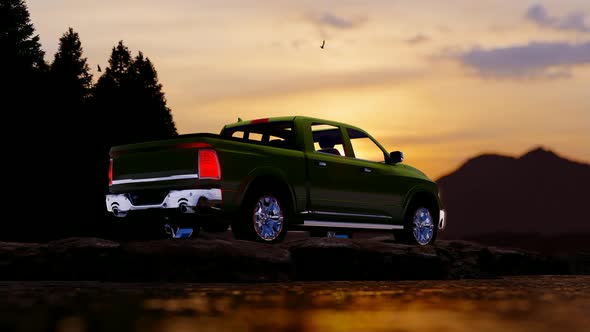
425	188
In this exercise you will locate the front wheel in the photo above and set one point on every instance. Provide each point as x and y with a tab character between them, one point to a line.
420	227
262	218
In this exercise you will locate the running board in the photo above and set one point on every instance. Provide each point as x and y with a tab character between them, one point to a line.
348	215
333	224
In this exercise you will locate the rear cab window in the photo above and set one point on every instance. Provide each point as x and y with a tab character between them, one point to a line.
279	134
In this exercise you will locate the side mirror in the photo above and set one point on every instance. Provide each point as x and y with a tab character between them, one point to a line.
396	157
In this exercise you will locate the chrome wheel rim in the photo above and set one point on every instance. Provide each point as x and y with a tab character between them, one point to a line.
423	227
268	218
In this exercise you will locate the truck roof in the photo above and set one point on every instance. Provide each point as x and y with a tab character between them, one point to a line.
288	118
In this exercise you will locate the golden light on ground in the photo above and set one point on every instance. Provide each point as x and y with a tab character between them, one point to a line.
504	304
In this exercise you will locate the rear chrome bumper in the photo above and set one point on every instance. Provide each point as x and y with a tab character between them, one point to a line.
184	201
442	223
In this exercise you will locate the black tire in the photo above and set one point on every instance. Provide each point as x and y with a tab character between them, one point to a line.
407	236
244	228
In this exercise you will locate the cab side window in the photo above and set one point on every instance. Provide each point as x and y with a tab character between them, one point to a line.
364	147
327	139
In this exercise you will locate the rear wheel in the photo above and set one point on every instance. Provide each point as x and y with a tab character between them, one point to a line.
420	226
263	217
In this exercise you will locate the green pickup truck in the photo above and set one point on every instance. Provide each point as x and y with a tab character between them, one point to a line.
266	176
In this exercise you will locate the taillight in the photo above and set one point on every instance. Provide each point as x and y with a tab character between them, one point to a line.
110	172
209	165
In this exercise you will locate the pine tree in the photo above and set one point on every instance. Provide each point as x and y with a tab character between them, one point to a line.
119	64
21	50
70	71
112	98
72	121
22	73
71	88
23	69
24	104
131	100
157	117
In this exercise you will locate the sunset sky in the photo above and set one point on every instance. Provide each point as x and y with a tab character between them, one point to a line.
440	80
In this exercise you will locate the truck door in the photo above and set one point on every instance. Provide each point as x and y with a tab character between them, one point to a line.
384	190
340	188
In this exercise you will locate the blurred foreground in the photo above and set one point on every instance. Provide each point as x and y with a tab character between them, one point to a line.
540	303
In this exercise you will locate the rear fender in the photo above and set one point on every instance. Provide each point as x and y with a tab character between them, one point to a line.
265	175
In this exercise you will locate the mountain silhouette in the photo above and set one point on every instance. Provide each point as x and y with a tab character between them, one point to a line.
537	193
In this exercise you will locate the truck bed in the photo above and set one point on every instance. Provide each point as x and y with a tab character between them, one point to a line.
155	168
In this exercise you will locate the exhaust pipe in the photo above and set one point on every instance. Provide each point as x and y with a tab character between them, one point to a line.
118	213
183	208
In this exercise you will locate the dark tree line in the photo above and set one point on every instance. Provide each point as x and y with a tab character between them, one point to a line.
58	127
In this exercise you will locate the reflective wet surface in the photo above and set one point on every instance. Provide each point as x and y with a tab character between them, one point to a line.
546	303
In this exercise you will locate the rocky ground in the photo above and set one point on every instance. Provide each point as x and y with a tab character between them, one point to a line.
210	259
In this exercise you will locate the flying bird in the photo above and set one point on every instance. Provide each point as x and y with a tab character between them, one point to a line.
323	43
99	68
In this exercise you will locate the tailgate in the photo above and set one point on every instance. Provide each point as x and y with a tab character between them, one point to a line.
154	165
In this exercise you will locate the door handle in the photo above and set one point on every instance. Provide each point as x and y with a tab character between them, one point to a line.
366	170
321	164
